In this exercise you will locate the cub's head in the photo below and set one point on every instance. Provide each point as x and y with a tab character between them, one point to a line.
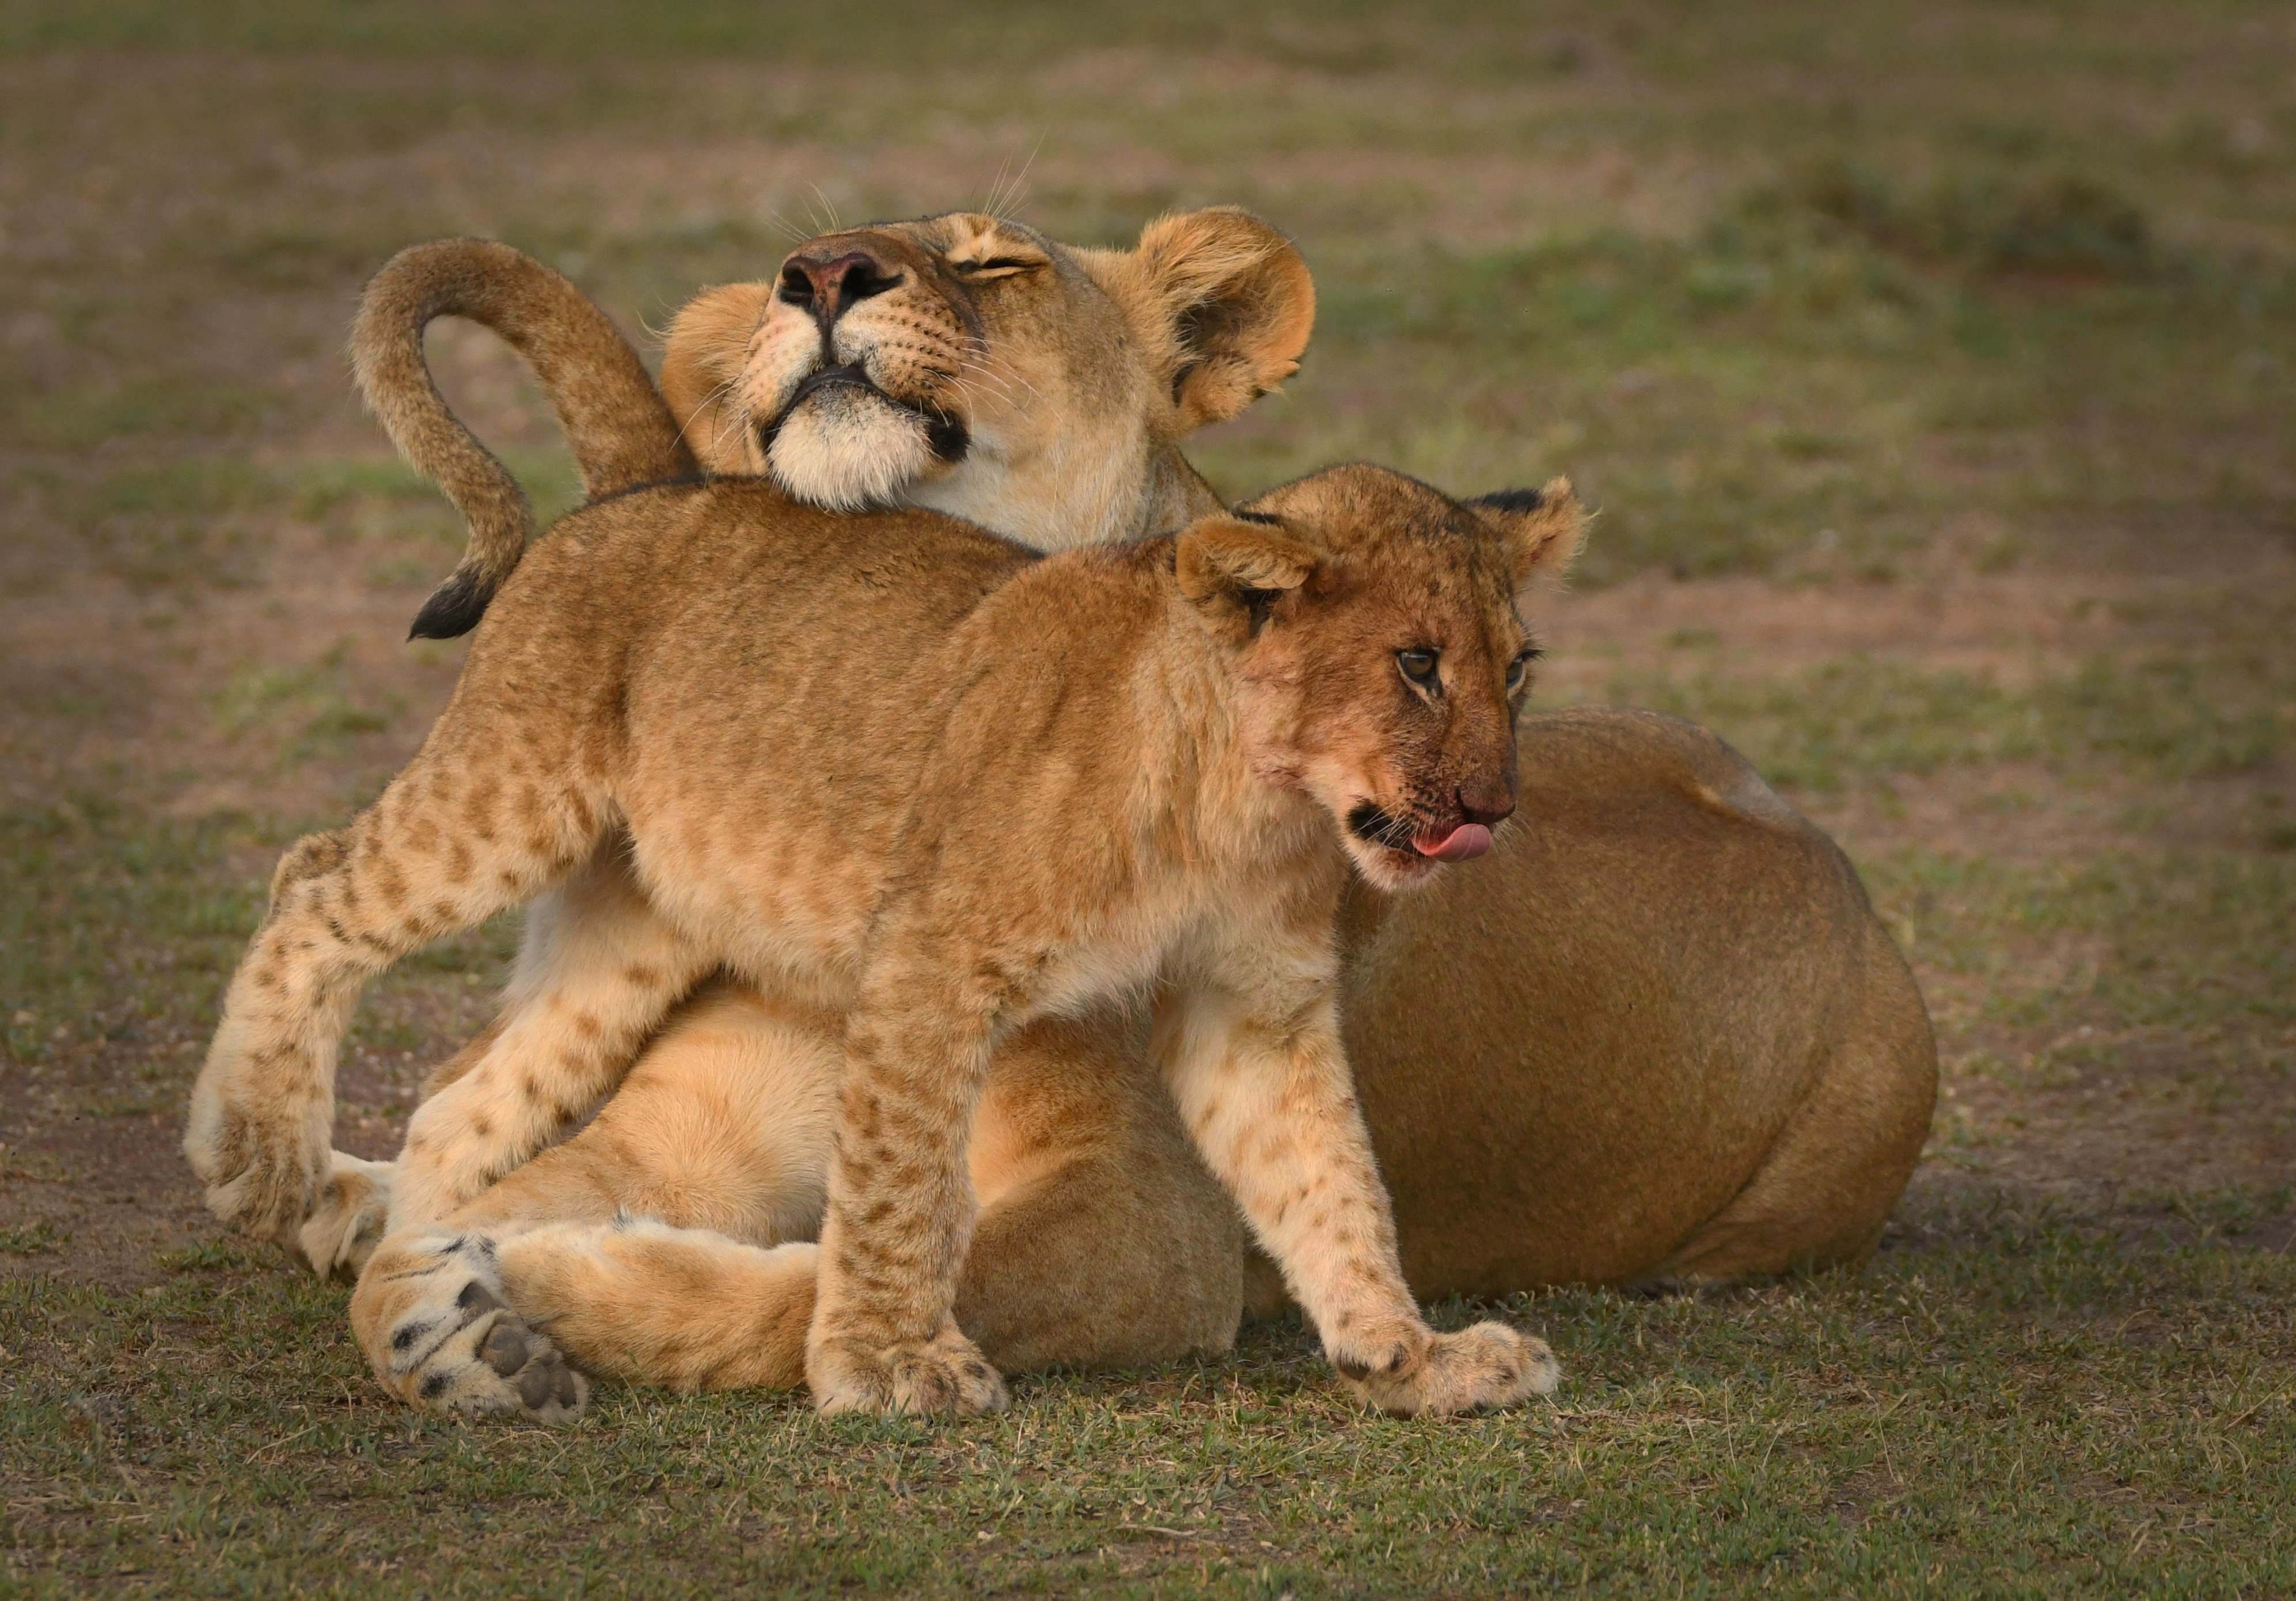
1372	623
969	364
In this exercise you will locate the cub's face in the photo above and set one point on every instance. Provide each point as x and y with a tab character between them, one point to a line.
969	364
1375	633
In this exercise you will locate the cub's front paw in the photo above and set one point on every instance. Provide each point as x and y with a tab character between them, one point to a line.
1477	1369
262	1160
945	1376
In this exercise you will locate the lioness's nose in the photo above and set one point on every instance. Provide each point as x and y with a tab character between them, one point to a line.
827	286
1486	801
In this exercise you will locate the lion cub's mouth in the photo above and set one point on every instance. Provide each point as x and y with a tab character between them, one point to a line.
1416	847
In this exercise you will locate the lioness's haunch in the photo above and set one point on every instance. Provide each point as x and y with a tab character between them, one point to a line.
897	766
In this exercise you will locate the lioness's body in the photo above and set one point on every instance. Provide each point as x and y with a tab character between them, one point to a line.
1737	1083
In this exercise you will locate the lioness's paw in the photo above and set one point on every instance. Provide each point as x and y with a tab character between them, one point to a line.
348	1223
1488	1365
945	1376
455	1346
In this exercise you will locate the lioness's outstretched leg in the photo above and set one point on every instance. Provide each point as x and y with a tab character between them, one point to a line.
721	1131
1080	1266
1264	1090
458	836
1102	1241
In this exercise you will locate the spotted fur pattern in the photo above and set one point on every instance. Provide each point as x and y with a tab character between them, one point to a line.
1212	869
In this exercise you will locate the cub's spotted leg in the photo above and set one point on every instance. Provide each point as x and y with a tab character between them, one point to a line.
432	1313
481	820
884	1336
1264	1088
353	1211
597	971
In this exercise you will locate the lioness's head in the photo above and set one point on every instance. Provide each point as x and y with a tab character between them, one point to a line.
1375	630
969	364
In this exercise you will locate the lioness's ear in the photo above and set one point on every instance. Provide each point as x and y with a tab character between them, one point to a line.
709	344
1544	529
1221	304
1225	558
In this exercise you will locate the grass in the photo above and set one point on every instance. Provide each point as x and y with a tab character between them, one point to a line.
1840	305
2008	1403
1863	718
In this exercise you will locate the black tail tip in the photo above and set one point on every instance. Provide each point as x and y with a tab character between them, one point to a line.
1512	500
454	610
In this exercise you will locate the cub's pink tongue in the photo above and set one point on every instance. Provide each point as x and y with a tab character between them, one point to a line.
1468	839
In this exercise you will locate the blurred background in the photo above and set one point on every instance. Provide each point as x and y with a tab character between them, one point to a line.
1932	369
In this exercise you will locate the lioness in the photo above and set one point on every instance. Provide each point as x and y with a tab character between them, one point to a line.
1724	1071
894	767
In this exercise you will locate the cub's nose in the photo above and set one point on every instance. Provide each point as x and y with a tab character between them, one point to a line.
830	285
1486	801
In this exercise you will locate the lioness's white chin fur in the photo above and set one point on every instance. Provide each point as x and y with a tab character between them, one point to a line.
845	451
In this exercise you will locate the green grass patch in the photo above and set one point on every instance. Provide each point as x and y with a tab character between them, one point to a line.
2190	941
2015	1400
110	922
186	521
1862	717
33	1239
206	1256
322	700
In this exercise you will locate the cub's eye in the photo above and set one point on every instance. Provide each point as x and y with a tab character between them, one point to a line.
1519	669
1418	667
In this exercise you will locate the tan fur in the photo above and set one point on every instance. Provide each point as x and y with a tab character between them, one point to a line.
889	766
1067	373
1729	1072
620	432
659	1243
1071	373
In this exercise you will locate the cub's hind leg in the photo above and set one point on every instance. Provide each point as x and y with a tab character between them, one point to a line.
597	971
478	822
353	1210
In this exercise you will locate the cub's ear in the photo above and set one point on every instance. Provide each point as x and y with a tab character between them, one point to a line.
1230	560
1221	305
1544	529
709	344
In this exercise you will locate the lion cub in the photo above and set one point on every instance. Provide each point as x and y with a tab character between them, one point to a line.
899	769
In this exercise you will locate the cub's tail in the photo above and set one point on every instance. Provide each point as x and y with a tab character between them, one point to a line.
621	433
